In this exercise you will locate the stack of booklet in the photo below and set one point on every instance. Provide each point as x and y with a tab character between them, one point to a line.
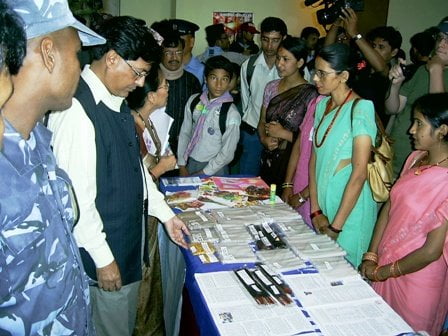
272	234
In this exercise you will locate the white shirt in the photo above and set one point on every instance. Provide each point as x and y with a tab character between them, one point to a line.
261	76
75	150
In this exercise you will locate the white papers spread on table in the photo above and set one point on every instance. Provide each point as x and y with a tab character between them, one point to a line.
229	253
162	123
281	260
335	268
314	290
312	246
368	317
235	312
345	307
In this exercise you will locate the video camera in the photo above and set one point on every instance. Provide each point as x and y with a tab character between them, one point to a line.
333	9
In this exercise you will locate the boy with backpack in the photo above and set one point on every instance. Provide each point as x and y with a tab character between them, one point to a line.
210	130
256	72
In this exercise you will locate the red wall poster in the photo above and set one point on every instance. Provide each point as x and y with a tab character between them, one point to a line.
232	20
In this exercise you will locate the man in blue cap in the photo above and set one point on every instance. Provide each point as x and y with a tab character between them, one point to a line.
43	287
186	30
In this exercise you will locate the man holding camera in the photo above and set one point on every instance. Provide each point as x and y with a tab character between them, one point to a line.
429	78
378	48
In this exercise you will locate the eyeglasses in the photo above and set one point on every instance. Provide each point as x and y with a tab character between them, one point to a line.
322	74
173	53
138	74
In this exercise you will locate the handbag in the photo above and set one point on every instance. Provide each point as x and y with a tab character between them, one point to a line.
379	168
151	160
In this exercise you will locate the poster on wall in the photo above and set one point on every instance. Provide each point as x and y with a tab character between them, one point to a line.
232	20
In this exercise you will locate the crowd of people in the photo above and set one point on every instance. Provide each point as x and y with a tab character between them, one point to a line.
87	243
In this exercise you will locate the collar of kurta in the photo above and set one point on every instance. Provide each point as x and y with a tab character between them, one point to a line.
99	90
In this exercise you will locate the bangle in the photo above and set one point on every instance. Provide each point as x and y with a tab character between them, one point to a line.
398	268
332	228
375	274
316	213
370	256
392	270
154	178
287	185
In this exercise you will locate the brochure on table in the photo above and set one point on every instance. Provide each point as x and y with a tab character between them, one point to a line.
331	297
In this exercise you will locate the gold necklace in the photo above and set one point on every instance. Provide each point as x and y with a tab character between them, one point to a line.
421	170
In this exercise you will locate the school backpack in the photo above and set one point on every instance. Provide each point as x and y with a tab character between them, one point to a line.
222	113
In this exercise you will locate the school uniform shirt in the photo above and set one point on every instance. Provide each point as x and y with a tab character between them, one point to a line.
213	147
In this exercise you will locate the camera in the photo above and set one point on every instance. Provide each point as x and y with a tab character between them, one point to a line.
406	71
333	9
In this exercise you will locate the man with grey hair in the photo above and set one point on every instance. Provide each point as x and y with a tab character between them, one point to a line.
43	287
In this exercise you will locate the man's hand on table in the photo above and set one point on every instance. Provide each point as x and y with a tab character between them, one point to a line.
176	229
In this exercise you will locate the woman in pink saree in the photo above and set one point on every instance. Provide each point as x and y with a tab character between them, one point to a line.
297	172
408	256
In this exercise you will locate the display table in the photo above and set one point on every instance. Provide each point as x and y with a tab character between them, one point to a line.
323	306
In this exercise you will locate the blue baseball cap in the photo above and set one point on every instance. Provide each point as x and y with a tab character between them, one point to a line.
44	17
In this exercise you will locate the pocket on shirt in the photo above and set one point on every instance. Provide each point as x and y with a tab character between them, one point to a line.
21	232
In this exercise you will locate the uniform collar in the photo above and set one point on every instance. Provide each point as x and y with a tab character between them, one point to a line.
25	155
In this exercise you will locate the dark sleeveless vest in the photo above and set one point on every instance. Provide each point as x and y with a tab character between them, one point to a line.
119	199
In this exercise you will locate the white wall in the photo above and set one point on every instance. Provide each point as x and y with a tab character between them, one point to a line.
408	16
148	10
293	12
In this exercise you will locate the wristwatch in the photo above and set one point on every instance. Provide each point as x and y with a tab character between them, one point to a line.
357	37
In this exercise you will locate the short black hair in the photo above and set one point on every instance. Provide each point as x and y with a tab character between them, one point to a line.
218	62
307	31
270	24
136	99
434	107
213	33
387	33
12	39
130	38
424	42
